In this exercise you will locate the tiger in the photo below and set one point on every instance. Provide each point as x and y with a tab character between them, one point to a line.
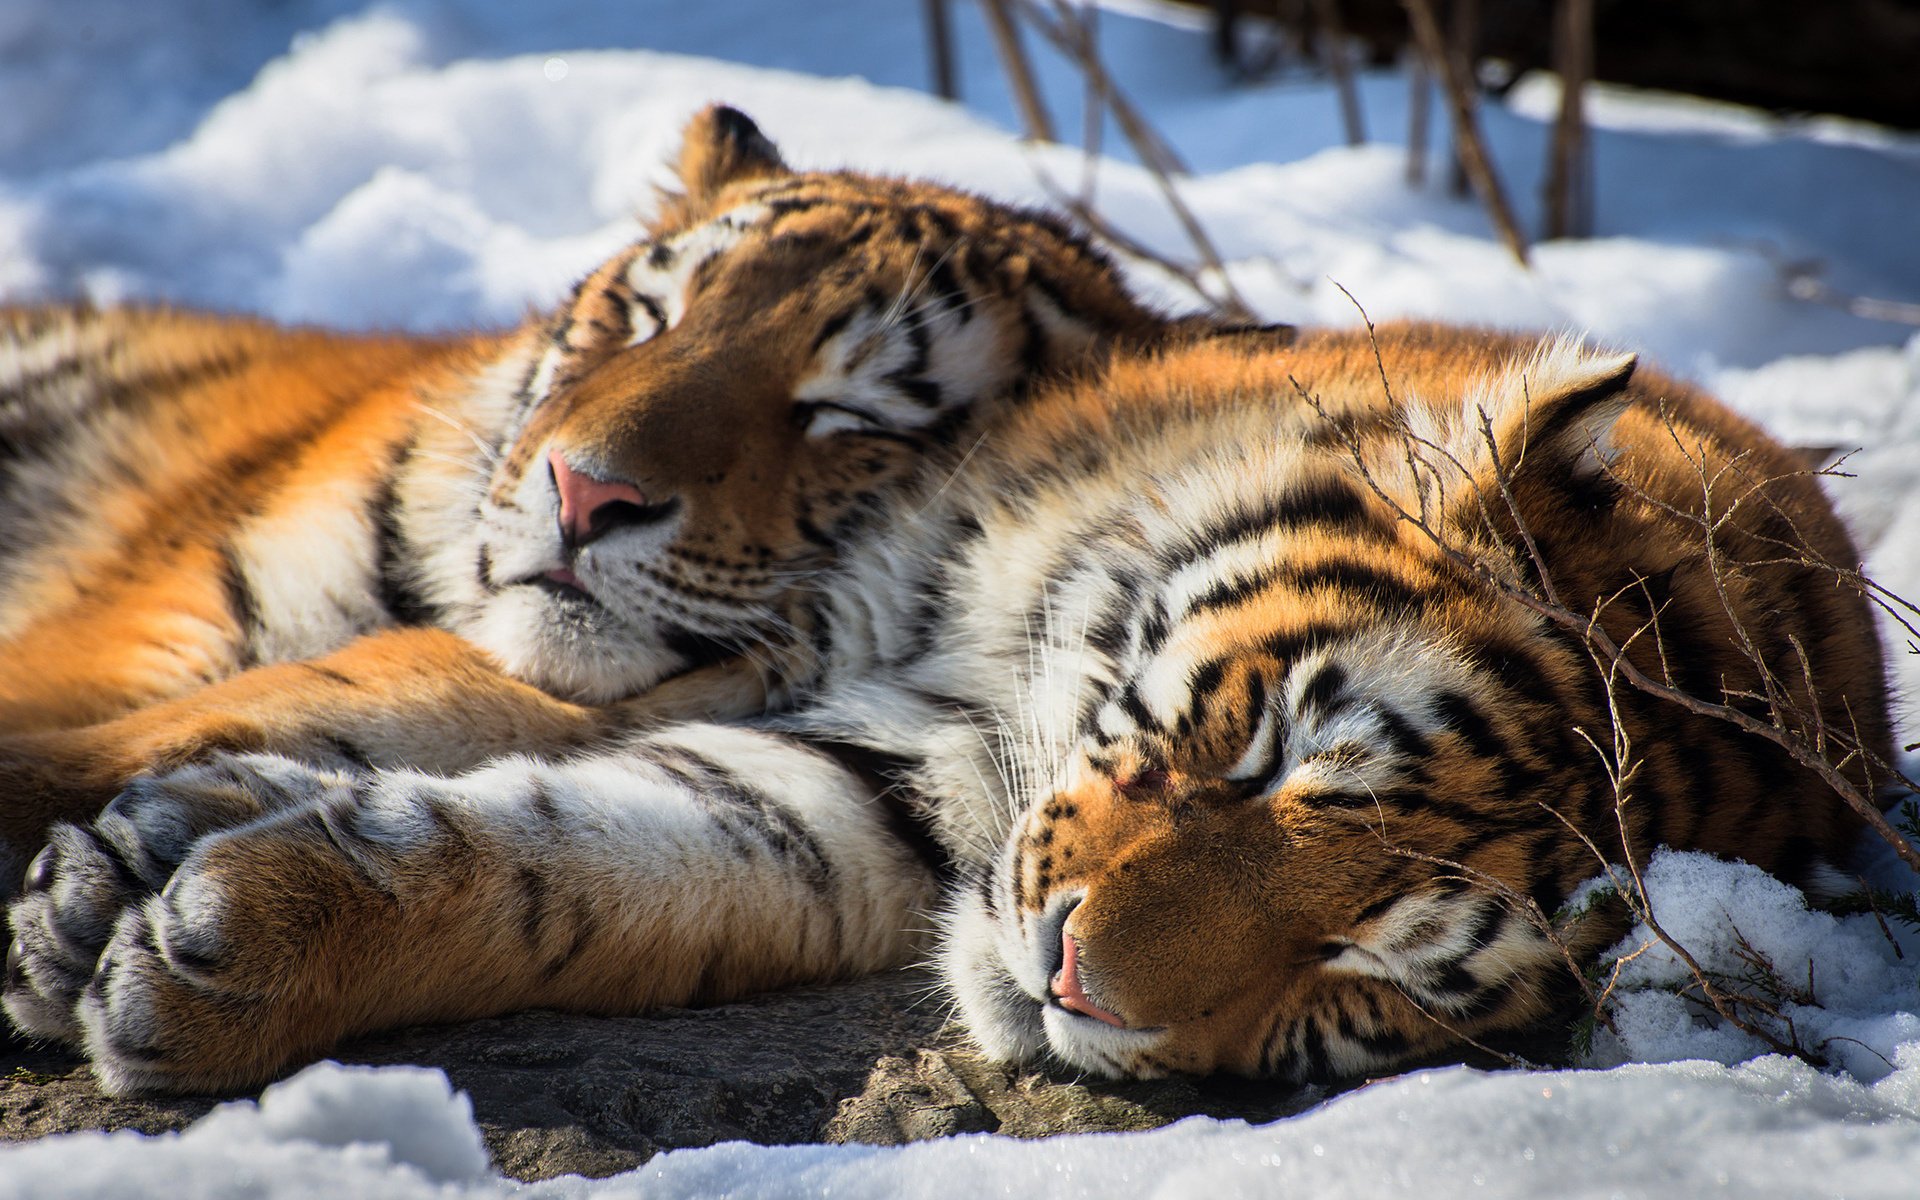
1205	714
430	551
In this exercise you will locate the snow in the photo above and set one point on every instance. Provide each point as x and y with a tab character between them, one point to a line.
433	163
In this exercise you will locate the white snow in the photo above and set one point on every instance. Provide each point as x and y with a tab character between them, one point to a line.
436	163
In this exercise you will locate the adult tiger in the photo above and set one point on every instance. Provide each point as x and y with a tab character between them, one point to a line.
1213	760
205	515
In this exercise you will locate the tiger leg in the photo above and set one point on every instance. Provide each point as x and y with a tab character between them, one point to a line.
697	864
417	698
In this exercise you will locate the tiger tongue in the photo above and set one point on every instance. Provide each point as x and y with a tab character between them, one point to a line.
1066	986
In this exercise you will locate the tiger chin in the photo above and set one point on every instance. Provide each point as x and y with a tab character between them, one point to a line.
224	536
1197	694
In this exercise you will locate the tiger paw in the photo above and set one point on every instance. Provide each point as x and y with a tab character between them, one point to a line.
169	1006
247	959
79	887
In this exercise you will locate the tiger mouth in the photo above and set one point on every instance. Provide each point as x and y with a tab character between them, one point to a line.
563	585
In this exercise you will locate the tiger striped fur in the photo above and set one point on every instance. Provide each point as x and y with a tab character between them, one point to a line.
427	552
1202	758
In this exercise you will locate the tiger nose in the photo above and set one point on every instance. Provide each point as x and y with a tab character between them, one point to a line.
592	507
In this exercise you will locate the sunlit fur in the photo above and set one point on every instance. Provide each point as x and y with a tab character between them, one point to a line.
1288	775
1148	667
193	499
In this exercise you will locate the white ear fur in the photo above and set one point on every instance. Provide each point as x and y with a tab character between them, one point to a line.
1561	405
1578	404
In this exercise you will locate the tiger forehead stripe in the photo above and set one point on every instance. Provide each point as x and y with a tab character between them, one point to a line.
662	272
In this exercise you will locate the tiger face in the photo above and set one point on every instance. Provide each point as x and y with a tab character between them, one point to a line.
723	402
1327	783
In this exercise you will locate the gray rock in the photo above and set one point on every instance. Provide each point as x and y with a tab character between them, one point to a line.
560	1093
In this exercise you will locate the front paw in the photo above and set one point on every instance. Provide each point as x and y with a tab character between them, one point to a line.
75	890
78	888
161	1010
240	964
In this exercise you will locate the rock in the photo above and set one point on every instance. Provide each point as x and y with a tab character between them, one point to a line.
560	1093
951	1088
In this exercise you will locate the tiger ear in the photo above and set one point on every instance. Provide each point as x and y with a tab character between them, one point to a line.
1570	401
721	146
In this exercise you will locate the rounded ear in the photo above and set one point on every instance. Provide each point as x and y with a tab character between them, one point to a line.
722	145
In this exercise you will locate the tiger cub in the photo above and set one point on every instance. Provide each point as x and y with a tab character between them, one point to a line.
384	551
1206	703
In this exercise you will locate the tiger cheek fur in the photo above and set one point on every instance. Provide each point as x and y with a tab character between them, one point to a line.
749	384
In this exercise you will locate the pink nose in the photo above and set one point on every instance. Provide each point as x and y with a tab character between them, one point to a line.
1066	986
590	507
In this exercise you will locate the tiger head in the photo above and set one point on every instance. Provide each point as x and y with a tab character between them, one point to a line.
721	403
1327	787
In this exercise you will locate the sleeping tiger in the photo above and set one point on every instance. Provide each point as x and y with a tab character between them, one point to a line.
1194	696
428	552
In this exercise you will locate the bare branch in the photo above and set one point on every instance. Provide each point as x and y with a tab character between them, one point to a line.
1070	33
1568	189
1453	73
1334	48
1013	60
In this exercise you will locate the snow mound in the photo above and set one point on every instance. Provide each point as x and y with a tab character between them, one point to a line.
330	1131
1840	985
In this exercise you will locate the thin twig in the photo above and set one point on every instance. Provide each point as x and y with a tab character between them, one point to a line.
1069	34
1013	60
1419	91
1611	654
940	48
1455	84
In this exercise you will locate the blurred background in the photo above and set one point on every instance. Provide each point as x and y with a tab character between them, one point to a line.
427	163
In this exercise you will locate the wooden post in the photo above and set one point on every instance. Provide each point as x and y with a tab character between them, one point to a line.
1463	43
1226	32
940	48
1458	89
1567	195
1419	90
1333	44
1013	59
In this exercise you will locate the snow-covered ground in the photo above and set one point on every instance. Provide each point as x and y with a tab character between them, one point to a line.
431	163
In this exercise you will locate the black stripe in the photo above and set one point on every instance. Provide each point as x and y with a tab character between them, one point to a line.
242	606
328	673
1403	736
829	328
533	886
1382	1043
1322	690
347	750
585	925
908	814
1456	712
395	572
1321	502
1203	682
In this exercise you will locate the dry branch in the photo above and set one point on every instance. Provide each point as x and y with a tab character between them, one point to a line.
940	48
1333	46
1454	73
1787	731
1072	35
1568	189
1419	90
1755	1003
1013	60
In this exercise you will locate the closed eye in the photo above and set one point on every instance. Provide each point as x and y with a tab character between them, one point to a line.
645	318
824	418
